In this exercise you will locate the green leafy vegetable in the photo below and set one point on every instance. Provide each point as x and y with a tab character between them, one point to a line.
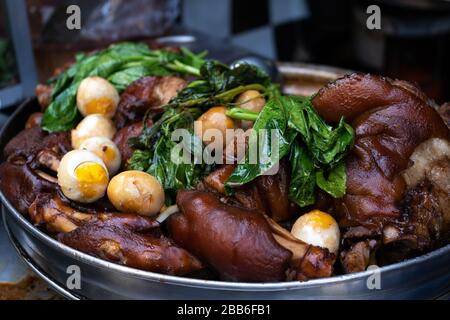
315	149
156	155
286	127
274	116
242	114
335	183
218	84
326	144
121	64
302	186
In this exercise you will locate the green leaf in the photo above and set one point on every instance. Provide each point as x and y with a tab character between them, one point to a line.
157	157
121	64
61	115
222	78
327	145
140	160
302	185
242	114
122	78
314	148
219	84
335	183
272	122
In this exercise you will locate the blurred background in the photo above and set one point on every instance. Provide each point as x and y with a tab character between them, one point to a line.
413	43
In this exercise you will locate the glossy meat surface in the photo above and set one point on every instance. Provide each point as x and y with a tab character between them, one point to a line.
268	193
390	120
34	120
29	153
30	141
274	190
21	184
236	242
44	95
144	94
307	261
358	256
127	239
427	206
121	140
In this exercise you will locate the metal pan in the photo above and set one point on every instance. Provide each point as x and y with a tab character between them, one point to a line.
427	276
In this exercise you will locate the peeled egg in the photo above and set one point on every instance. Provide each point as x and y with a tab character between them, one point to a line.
319	229
251	100
97	95
137	192
214	118
94	125
106	150
82	176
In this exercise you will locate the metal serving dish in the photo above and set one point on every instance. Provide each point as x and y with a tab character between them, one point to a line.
427	276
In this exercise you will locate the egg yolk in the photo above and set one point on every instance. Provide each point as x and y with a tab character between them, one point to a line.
108	154
90	174
100	105
320	220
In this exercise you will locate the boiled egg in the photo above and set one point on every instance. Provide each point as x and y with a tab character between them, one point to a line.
251	100
319	229
94	125
82	176
136	192
96	95
212	123
106	150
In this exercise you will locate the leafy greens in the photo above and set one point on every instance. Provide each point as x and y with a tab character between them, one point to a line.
218	84
155	154
121	64
315	149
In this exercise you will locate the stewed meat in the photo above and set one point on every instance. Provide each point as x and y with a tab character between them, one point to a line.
144	94
128	239
236	242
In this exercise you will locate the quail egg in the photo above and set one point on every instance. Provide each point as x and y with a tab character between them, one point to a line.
82	176
97	95
94	125
318	228
106	150
137	192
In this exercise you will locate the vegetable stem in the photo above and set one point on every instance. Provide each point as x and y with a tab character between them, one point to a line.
178	66
230	94
242	114
223	97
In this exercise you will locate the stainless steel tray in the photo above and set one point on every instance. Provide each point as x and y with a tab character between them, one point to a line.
34	271
427	276
17	281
